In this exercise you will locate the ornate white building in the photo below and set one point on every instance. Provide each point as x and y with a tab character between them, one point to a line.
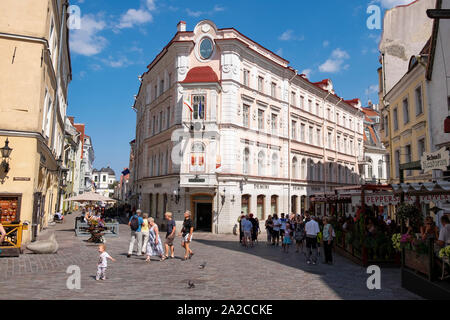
104	180
224	125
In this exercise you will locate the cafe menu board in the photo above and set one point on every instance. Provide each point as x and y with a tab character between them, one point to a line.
9	207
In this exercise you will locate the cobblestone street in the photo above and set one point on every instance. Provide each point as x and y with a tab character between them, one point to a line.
232	272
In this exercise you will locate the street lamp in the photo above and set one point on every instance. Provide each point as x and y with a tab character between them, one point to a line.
6	152
176	193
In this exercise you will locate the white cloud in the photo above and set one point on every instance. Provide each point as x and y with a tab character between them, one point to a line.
307	72
388	4
336	62
199	13
339	54
326	43
372	89
86	41
134	17
289	35
150	5
116	63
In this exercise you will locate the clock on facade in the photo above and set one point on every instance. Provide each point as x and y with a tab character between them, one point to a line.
206	48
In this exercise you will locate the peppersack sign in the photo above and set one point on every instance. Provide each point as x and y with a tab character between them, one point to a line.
438	160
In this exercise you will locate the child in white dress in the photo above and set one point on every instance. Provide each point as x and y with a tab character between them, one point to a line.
102	262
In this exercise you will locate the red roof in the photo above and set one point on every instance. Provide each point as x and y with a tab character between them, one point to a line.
201	74
353	101
370	112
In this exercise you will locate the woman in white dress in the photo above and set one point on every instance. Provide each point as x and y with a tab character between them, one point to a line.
154	246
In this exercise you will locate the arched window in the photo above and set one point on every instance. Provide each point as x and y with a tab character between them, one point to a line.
294	168
198	156
302	169
274	165
261	159
150	166
310	170
319	171
246	161
380	169
369	169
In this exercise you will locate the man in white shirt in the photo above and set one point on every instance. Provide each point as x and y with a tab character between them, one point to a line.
276	229
311	229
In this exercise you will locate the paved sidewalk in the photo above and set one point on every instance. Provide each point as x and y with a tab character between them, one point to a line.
231	272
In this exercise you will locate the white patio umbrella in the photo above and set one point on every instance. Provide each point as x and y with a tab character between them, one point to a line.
90	197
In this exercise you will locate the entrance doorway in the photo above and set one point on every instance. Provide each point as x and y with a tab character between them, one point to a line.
203	214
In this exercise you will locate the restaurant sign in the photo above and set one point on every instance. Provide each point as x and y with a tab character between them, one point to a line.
384	200
438	160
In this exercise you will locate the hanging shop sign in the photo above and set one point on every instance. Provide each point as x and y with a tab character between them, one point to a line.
438	160
384	200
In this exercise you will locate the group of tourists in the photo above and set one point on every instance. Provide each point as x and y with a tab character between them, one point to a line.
304	231
248	229
146	233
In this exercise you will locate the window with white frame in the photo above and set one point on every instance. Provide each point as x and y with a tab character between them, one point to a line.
274	121
198	104
197	157
274	165
246	161
261	164
246	116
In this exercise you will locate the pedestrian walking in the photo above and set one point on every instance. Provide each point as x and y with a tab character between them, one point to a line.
241	232
135	224
312	229
170	236
186	233
276	229
102	264
283	221
154	246
287	238
328	233
299	234
247	227
269	229
144	232
255	228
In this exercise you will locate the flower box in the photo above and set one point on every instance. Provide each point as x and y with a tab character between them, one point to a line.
417	262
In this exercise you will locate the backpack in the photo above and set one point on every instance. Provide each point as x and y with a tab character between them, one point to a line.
134	223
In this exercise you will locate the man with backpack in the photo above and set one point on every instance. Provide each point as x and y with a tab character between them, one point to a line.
135	224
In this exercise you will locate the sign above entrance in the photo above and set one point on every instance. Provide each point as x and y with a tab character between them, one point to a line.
196	179
438	160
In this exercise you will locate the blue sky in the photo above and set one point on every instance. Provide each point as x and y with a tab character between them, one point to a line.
118	39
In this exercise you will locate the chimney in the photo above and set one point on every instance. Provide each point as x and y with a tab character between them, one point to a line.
181	26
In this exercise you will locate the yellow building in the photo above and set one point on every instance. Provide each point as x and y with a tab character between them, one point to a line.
36	71
404	128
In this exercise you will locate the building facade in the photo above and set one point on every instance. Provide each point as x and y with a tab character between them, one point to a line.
36	71
374	169
104	180
405	128
225	125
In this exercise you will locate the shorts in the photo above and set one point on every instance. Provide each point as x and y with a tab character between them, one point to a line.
276	233
282	232
287	240
247	234
185	238
169	240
